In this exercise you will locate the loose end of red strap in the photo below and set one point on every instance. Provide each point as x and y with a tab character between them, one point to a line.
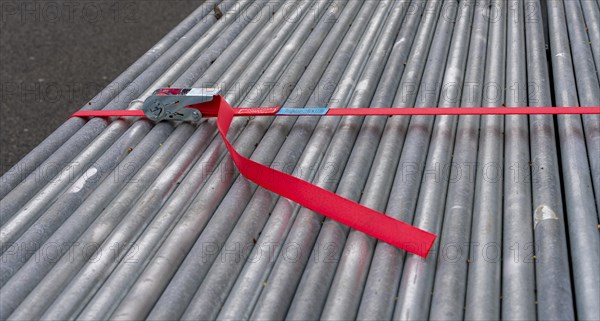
322	201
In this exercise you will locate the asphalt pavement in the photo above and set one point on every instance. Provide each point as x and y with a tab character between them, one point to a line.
56	55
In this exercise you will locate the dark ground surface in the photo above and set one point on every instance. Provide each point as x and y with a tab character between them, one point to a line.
56	55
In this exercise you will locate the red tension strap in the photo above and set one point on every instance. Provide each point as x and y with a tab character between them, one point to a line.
322	201
209	111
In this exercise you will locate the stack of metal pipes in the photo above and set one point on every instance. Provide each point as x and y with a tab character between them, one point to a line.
127	219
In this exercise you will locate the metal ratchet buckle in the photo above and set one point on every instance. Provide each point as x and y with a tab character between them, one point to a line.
171	103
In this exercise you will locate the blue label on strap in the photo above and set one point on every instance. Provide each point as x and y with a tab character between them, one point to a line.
303	111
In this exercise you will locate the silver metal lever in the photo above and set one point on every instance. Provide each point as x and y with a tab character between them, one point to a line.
171	103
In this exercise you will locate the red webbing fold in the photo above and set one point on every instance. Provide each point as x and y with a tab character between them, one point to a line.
322	201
